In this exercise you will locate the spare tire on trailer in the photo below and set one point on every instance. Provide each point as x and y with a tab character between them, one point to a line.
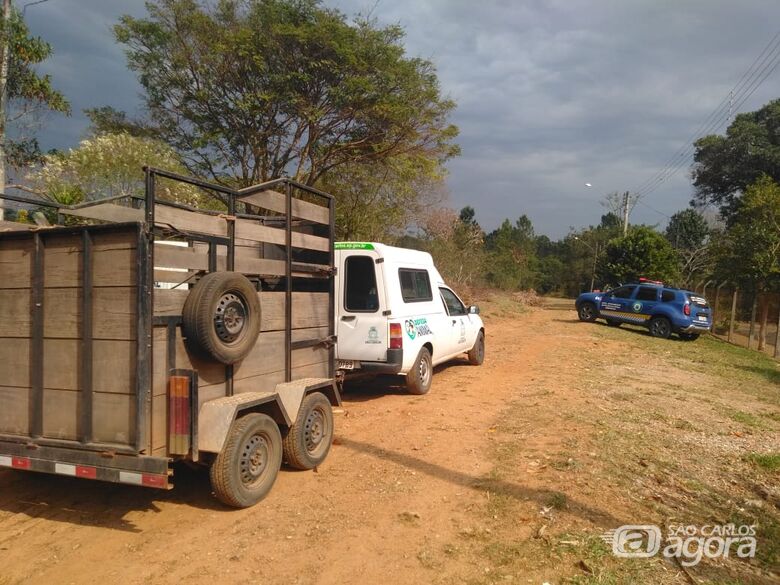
221	317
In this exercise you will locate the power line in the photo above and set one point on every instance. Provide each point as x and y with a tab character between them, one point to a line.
716	118
721	106
684	158
760	69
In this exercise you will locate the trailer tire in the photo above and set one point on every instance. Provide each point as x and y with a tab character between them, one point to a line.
246	468
419	378
221	317
307	443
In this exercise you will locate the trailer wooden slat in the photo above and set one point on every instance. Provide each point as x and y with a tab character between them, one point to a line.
191	258
275	201
185	220
309	309
248	229
14	226
15	414
110	212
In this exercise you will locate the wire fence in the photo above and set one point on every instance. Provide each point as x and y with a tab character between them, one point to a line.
744	317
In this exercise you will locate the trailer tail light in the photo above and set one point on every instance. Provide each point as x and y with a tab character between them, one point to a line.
179	415
687	309
396	336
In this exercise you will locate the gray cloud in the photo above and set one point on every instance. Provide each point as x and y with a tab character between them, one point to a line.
551	94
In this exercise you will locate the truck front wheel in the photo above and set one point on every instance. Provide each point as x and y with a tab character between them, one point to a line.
246	468
308	441
477	353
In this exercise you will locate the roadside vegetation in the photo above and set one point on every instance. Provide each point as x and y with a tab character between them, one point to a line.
647	434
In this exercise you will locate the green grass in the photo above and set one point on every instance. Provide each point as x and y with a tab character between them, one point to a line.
745	418
767	461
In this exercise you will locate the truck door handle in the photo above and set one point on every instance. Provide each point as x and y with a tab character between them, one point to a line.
348	318
454	321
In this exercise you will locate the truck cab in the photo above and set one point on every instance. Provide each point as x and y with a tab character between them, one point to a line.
396	315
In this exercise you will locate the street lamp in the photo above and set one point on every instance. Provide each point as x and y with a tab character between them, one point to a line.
595	258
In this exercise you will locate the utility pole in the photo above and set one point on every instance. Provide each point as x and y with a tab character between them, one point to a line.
625	213
593	272
6	51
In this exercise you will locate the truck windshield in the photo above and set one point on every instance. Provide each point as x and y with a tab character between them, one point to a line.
360	294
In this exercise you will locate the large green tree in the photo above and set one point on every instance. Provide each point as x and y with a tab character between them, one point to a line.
642	252
24	94
512	259
724	166
749	253
249	90
689	234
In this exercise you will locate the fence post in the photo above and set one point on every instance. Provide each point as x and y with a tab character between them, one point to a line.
733	314
752	320
715	304
777	334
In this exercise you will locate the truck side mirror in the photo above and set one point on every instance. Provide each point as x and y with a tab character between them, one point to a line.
473	310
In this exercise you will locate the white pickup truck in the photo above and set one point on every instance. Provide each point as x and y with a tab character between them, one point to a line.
396	315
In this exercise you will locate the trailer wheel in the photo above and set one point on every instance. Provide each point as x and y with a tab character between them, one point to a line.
418	380
477	353
221	317
308	441
246	468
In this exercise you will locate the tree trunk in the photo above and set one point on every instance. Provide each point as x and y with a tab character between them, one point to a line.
763	301
4	59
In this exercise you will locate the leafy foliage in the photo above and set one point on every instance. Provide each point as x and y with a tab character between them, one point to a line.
689	234
29	94
512	255
109	165
642	252
249	90
724	166
750	251
377	202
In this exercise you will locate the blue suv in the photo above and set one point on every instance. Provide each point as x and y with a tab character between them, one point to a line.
663	310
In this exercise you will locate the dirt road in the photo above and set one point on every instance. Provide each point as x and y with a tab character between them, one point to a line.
464	484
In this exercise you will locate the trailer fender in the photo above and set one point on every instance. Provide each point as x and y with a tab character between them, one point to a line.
216	416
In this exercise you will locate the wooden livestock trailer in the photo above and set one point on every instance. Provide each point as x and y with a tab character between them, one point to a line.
146	331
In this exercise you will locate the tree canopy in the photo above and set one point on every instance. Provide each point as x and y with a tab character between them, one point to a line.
248	90
109	165
642	252
724	166
750	251
29	94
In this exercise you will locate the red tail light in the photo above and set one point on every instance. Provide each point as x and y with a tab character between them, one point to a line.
179	415
687	309
396	336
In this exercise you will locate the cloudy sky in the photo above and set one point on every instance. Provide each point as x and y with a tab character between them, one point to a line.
551	94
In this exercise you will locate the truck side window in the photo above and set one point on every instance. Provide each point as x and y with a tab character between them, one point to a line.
415	285
360	294
647	293
453	304
624	292
668	296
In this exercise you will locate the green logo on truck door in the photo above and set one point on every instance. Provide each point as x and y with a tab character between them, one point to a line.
415	327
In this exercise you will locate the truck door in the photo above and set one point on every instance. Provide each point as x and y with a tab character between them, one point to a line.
361	327
645	300
618	304
457	325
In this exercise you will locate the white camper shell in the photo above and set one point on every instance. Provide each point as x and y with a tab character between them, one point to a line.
396	315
